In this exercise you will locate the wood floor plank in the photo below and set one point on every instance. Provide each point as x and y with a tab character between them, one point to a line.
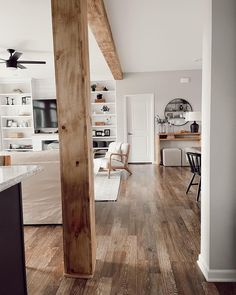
147	243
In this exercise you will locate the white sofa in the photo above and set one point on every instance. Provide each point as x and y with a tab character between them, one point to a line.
41	193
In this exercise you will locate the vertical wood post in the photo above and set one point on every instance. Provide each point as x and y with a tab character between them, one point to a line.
70	34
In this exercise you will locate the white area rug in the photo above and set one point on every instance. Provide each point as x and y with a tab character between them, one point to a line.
107	189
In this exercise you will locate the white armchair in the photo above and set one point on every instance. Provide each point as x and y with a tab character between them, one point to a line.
116	158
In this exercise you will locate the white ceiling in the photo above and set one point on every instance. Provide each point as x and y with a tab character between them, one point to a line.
154	35
28	28
150	35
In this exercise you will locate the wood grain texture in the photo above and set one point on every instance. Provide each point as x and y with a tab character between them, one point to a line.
70	33
147	243
5	160
99	25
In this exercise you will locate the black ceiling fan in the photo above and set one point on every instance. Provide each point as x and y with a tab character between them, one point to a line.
13	61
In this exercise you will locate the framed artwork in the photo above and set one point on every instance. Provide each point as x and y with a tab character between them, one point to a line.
99	133
107	132
23	100
9	123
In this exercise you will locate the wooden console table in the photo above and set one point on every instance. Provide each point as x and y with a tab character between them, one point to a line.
174	137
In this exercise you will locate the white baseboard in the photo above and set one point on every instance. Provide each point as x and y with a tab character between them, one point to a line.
216	275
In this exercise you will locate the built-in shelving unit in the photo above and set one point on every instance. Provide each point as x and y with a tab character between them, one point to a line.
16	114
16	121
104	124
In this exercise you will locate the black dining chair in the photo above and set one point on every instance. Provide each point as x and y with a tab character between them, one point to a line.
195	165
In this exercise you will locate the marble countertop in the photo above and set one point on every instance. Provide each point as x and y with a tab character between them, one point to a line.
11	175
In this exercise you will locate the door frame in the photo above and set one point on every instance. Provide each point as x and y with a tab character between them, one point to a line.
152	121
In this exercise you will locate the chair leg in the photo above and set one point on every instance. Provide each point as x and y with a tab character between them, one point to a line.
109	173
190	183
199	190
127	169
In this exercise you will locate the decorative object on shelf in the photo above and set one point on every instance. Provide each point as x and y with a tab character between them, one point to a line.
107	132
193	117
20	146
24	124
24	114
175	111
105	89
16	135
7	101
99	87
99	96
108	120
105	109
12	101
163	136
95	144
98	133
93	87
100	100
93	132
181	107
99	123
9	123
17	90
14	124
23	100
161	123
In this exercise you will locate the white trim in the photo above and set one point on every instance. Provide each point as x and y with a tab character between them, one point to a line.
152	129
216	275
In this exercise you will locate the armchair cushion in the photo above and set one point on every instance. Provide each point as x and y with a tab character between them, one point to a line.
105	163
114	147
124	148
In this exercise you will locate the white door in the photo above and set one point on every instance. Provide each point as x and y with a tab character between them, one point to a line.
140	127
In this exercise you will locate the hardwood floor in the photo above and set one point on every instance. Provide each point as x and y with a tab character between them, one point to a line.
147	243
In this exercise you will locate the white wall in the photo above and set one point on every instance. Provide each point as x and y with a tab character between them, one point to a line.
218	238
165	86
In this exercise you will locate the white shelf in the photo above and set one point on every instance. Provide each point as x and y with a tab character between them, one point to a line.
15	94
102	92
103	103
15	105
18	150
100	148
102	137
15	112
97	115
104	126
16	138
28	116
103	115
12	128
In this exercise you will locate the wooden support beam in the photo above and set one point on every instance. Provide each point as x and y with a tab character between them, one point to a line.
70	34
99	25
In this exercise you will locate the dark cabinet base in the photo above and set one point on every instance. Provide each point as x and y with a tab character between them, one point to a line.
12	254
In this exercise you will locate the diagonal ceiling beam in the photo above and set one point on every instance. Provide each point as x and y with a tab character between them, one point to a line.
99	25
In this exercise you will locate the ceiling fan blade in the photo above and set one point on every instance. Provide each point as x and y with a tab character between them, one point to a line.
21	66
32	62
16	55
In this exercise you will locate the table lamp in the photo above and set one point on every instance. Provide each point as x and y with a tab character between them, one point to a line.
193	117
